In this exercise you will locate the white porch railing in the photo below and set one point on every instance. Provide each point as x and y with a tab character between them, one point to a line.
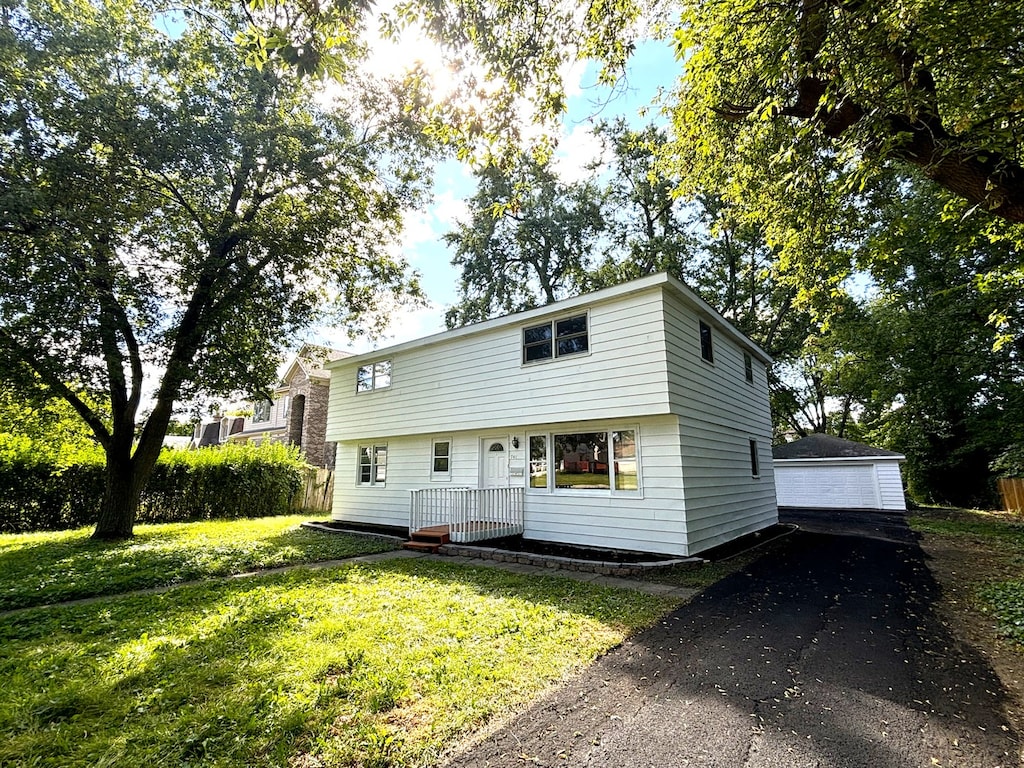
471	514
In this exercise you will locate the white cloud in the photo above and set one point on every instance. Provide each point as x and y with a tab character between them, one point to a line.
578	149
450	210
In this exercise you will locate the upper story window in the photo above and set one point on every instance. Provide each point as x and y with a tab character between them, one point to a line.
261	411
558	338
373	376
706	351
748	367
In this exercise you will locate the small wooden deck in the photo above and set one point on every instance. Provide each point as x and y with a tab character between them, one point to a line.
433	537
464	515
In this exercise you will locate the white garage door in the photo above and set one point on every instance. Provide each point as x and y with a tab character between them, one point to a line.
853	487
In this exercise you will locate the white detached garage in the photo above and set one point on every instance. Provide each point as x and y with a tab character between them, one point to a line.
828	472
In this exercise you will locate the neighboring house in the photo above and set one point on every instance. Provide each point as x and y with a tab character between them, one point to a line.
216	431
632	418
825	472
297	414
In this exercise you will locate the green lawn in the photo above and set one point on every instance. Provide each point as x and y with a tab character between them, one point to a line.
43	568
999	536
368	665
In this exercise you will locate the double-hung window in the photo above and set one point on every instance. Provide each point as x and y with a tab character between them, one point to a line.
373	376
373	464
441	459
557	338
748	368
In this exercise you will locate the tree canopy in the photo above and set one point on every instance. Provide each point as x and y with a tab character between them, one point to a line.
170	213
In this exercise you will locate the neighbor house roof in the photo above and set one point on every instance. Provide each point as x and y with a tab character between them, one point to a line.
687	294
818	446
312	359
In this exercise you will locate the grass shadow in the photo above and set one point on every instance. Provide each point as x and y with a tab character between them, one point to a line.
355	664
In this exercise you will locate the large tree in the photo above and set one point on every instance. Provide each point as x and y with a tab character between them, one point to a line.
169	212
529	241
931	84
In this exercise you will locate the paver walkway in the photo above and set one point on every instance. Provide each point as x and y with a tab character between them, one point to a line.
826	653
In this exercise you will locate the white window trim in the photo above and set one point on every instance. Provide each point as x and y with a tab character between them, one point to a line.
554	342
373	465
755	458
374	387
267	417
701	324
551	490
747	357
435	476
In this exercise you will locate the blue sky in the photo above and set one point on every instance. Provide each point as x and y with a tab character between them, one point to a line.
652	67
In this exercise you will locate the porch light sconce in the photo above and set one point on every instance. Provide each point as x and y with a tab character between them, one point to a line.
515	442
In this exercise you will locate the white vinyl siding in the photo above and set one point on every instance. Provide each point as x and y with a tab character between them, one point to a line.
651	522
477	381
890	486
720	412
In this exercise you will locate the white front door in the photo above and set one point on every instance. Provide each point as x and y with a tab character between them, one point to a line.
495	462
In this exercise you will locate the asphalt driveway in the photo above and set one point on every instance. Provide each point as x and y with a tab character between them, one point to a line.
825	653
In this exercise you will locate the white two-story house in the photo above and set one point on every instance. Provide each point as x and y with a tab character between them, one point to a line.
632	418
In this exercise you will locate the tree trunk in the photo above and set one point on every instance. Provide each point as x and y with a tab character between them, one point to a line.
122	491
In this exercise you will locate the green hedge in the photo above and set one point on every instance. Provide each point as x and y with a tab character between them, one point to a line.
231	481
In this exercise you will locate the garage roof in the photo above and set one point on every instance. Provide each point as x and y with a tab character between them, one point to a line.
818	446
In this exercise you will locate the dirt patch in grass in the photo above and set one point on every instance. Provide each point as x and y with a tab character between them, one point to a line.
964	556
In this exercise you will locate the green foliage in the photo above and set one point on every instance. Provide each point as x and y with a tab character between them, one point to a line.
1003	598
1009	463
45	427
382	664
529	241
169	208
223	482
44	568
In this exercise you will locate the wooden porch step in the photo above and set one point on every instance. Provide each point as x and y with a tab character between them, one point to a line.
422	546
435	534
428	539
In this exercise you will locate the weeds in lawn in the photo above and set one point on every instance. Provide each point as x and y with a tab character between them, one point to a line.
43	568
371	665
999	533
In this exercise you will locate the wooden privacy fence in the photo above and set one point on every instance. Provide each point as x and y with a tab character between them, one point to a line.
318	492
1012	491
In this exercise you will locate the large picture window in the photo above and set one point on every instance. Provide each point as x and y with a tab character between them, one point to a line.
557	338
373	376
373	464
585	461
